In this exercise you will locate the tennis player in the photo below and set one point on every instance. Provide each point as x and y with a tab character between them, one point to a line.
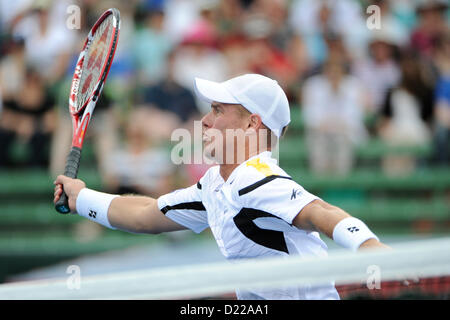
254	209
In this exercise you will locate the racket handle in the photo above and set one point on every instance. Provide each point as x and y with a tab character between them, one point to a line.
71	171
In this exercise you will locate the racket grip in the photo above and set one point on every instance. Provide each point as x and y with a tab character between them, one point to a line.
71	171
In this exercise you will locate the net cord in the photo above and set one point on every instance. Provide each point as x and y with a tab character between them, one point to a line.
425	258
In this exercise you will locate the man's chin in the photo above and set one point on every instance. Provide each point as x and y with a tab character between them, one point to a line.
211	156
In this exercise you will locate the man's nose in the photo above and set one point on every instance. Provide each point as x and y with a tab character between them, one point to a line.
206	121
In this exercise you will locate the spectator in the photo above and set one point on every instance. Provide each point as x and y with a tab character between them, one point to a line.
10	11
48	42
404	13
432	24
442	100
12	68
171	105
234	49
151	47
267	39
390	23
229	15
198	56
27	118
333	115
312	19
141	166
379	71
407	113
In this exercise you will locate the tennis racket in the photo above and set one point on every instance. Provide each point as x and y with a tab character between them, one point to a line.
89	77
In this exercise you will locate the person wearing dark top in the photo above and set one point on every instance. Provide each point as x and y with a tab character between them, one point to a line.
416	85
169	96
406	117
27	118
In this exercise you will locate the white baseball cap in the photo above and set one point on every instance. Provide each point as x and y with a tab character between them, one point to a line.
256	93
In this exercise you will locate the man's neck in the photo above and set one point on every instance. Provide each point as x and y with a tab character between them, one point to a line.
226	169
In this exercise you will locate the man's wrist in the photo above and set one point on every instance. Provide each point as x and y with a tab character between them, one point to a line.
352	233
94	205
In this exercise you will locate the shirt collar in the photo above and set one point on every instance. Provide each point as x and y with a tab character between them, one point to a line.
264	154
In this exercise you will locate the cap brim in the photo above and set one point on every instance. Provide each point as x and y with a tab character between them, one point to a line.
213	91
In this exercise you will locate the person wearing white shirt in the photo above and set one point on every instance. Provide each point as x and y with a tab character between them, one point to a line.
253	207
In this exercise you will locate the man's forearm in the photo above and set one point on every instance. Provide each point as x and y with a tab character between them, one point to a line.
337	224
128	212
136	214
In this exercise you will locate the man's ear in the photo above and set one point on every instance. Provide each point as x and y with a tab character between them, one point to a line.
254	121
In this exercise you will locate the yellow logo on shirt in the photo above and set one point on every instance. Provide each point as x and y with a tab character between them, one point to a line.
261	167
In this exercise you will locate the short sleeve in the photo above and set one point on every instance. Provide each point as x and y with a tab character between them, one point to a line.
277	195
185	207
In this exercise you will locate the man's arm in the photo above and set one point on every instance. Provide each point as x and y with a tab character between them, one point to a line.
323	217
136	214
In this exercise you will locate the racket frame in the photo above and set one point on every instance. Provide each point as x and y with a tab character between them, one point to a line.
83	115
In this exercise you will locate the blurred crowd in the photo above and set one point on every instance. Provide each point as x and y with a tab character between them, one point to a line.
357	69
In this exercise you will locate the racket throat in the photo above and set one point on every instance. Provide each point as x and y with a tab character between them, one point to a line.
80	132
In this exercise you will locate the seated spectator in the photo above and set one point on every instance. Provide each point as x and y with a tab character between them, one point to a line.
48	41
198	56
266	42
312	19
234	50
432	24
151	47
333	114
167	106
390	22
170	105
407	113
140	167
379	71
28	118
12	67
442	100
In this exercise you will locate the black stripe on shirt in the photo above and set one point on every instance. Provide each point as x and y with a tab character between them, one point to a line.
194	205
268	238
260	183
199	186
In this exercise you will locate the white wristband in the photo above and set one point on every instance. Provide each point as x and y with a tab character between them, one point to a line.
351	233
94	205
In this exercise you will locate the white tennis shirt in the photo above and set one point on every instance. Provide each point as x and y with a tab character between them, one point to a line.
250	215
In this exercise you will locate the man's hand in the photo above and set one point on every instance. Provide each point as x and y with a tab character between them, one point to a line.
373	244
72	188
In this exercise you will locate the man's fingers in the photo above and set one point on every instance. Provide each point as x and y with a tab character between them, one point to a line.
58	191
61	179
57	195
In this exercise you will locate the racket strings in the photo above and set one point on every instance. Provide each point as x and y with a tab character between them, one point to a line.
95	59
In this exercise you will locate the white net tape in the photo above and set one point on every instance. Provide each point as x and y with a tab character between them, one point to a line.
427	258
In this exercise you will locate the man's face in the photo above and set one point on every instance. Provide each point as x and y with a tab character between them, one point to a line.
224	132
